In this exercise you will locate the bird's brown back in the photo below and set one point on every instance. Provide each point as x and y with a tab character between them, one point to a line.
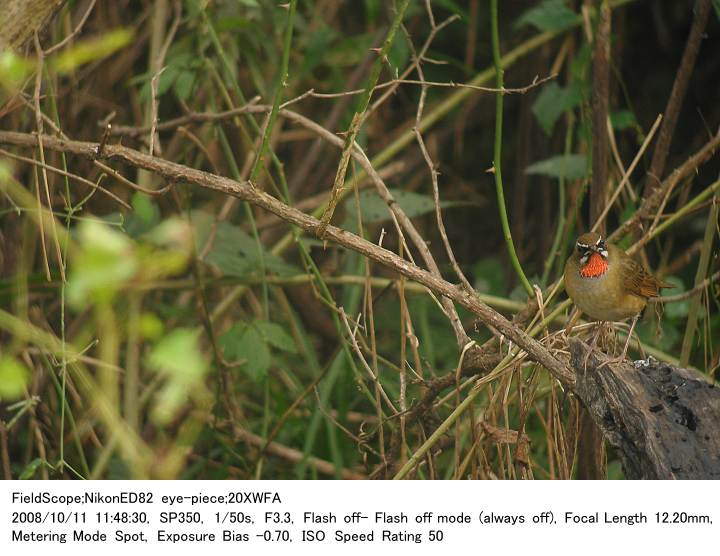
636	279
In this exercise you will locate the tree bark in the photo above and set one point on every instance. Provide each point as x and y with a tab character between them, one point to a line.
661	419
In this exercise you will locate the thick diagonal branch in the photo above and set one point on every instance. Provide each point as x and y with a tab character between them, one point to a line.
244	191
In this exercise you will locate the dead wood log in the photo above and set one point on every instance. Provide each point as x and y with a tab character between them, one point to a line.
663	420
20	19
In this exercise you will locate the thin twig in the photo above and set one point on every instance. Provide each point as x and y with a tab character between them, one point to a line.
682	78
536	82
154	110
4	453
39	126
353	341
357	120
74	32
194	117
626	178
421	56
104	167
651	202
243	190
282	83
702	269
497	156
295	456
431	165
92	184
688	294
686	210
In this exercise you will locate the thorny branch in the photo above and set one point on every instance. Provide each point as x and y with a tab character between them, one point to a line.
245	191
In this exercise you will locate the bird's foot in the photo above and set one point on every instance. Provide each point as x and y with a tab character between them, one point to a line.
599	331
612	361
621	359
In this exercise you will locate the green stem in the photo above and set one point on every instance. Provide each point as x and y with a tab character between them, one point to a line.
70	210
498	150
557	240
441	430
453	101
404	139
685	210
230	157
282	83
702	268
358	118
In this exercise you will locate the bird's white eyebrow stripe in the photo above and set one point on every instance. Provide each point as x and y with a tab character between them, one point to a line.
599	241
583	245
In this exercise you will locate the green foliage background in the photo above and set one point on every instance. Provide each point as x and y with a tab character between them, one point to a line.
175	335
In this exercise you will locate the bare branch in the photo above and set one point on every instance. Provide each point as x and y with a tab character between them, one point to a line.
244	191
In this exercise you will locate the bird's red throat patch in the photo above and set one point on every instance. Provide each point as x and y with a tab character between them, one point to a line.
596	266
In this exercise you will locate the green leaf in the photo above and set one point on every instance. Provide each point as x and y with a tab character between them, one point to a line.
374	209
178	354
664	336
549	15
177	357
489	276
628	210
231	23
678	309
184	84
233	251
172	232
31	468
144	216
319	44
372	9
570	167
244	342
275	335
14	69
581	65
398	54
348	51
6	170
145	209
552	102
92	49
716	5
105	261
622	119
454	8
14	378
150	326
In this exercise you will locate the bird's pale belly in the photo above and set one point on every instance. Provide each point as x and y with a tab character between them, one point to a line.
600	301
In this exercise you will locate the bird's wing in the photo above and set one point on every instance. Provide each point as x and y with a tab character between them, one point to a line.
639	281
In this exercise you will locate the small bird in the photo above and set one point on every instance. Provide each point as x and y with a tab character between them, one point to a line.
606	284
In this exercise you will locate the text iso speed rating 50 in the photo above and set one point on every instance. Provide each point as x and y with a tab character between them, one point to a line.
320	517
